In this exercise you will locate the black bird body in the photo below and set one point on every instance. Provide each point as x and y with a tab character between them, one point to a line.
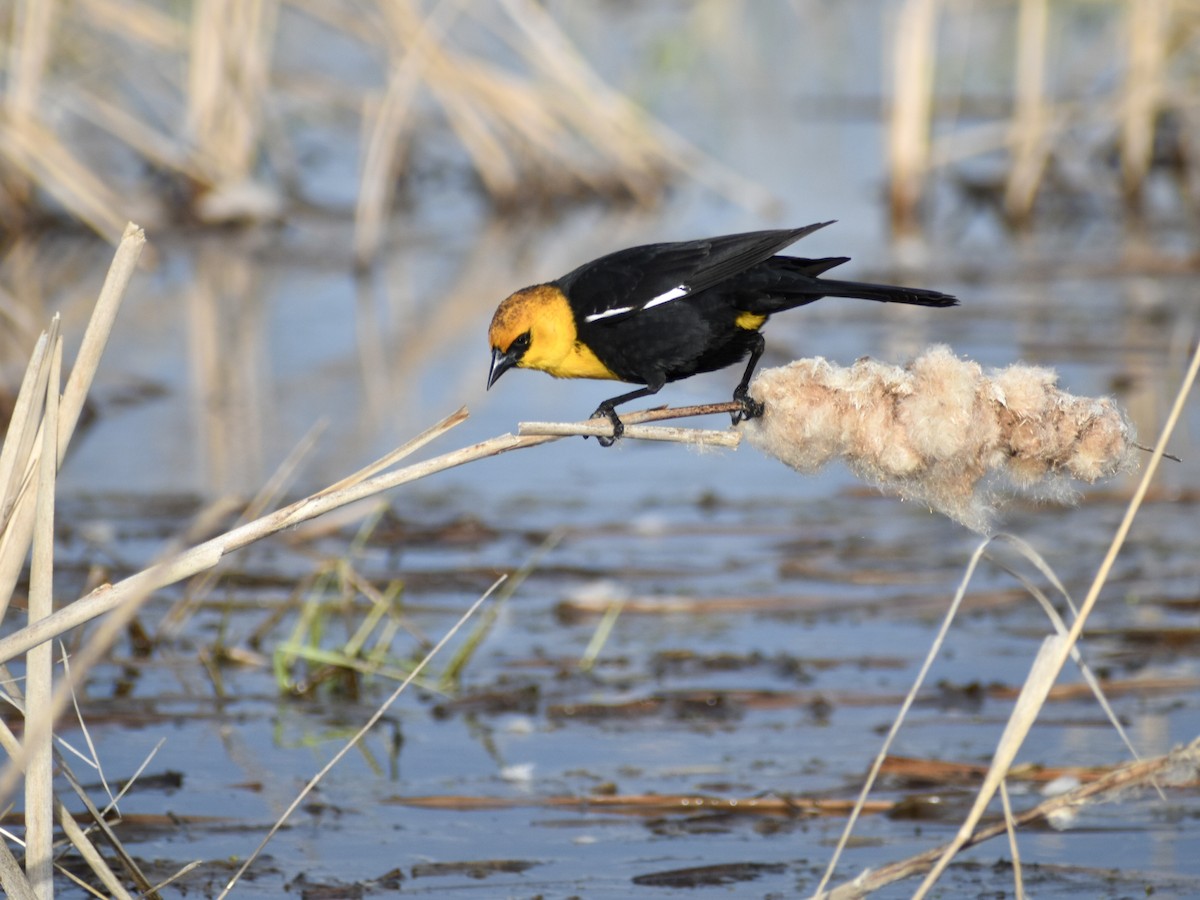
661	312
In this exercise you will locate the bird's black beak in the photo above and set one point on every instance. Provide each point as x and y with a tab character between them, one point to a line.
501	363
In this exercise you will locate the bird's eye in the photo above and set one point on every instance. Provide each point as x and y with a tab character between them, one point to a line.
519	345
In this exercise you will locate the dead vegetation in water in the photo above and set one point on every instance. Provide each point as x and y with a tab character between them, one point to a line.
1108	117
45	415
216	104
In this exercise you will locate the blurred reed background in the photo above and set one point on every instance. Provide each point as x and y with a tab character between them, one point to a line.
182	113
1009	100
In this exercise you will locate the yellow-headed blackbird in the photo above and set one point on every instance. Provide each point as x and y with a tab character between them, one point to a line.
662	312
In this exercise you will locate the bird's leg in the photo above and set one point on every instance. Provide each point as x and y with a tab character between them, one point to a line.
607	410
751	408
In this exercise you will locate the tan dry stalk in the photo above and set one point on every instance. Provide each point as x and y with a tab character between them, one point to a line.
98	824
173	621
638	147
910	120
894	730
96	648
23	427
940	431
598	428
1031	118
228	76
1010	826
44	158
606	119
1143	88
39	666
476	122
18	525
95	337
29	54
391	124
89	854
12	879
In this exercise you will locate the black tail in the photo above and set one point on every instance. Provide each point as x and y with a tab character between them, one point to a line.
785	282
884	293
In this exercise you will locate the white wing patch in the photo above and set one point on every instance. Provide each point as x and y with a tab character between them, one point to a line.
620	310
680	290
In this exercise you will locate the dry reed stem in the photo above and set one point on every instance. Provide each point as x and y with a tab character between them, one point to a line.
558	125
89	854
1060	627
1181	767
32	25
18	524
1057	649
99	820
598	428
1152	31
475	122
910	120
1143	88
386	140
204	556
643	146
228	74
24	424
359	735
39	665
40	728
909	699
1029	139
95	337
1010	827
176	617
12	879
45	159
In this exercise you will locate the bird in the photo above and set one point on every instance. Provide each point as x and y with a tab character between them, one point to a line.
658	313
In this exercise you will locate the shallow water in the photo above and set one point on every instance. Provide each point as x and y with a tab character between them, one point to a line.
805	604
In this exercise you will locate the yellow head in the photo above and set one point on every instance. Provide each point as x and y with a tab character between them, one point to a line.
535	329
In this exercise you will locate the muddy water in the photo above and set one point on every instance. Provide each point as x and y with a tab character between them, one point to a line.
771	623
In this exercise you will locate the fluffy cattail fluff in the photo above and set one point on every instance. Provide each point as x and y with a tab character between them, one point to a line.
940	430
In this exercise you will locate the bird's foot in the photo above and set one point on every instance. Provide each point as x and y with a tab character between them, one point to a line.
751	408
607	412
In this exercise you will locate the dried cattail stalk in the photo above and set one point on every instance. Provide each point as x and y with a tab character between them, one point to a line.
940	430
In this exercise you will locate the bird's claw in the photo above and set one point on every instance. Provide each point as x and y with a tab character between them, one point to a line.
751	408
607	412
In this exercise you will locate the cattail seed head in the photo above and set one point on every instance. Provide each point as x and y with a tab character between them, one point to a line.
940	430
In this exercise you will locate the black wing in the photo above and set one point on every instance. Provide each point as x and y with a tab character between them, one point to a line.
623	283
